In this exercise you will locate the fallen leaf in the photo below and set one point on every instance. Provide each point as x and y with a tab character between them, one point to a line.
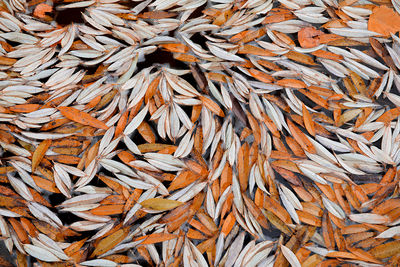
41	9
160	204
82	117
307	37
39	153
155	238
110	241
384	20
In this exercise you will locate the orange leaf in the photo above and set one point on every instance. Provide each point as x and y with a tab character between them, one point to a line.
146	132
261	76
228	224
270	125
45	184
29	227
24	107
389	115
212	106
82	117
39	153
291	83
254	50
315	98
199	226
363	255
277	222
308	122
183	179
152	89
41	9
269	65
327	54
218	77
226	177
301	138
194	234
108	210
93	102
207	221
66	159
156	238
274	206
328	38
247	36
185	57
197	168
243	166
342	254
74	247
307	37
156	15
256	212
386	250
384	20
294	146
7	61
19	230
177	48
284	38
288	175
308	218
144	148
299	57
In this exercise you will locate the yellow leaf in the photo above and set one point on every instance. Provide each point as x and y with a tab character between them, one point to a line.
160	204
110	241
